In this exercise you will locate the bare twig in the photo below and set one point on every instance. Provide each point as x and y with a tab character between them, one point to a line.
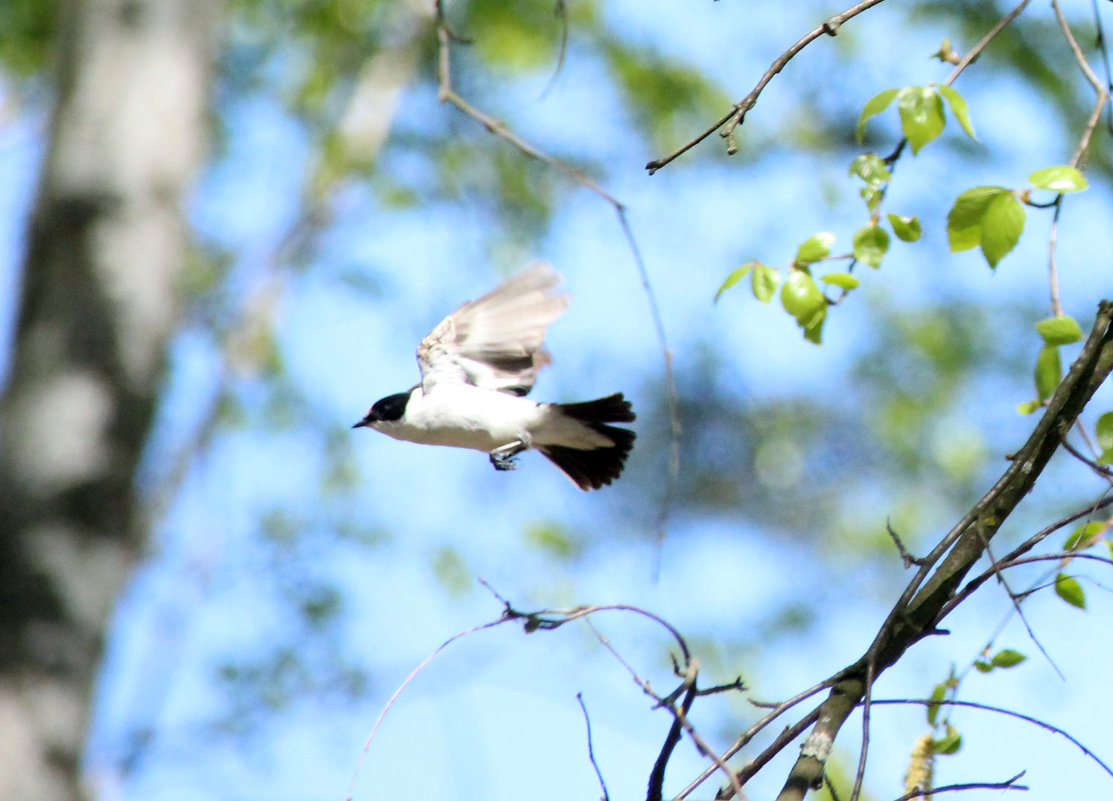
591	749
905	555
406	682
1002	711
977	49
1104	471
776	710
1008	784
1099	88
733	118
1052	268
560	11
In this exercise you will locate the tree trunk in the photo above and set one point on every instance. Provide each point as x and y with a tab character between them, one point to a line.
99	301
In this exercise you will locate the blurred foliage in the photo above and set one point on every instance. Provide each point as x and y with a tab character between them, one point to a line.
27	31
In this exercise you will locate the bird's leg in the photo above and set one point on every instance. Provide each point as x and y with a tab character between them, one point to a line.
503	457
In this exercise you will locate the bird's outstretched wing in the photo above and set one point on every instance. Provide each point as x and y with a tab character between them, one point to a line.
496	342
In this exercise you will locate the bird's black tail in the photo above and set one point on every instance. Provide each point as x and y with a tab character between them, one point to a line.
595	468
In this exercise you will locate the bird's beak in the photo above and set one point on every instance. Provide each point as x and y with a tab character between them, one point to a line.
361	424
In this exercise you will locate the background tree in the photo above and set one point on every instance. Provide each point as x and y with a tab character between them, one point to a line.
292	571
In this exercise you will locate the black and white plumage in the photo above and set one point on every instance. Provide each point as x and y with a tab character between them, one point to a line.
478	365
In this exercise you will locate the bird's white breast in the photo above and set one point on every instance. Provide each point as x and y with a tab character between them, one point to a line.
464	416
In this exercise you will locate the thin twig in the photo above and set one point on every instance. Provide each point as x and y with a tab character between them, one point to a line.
1052	269
591	748
733	118
1102	92
413	675
1008	784
743	740
1001	711
1012	557
672	397
1100	469
977	49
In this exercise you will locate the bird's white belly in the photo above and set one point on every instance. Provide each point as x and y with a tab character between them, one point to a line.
467	417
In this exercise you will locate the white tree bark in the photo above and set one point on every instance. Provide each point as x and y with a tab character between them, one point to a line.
99	302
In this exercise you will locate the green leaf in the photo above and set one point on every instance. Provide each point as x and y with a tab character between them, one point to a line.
1028	407
1007	658
949	743
907	229
938	694
871	168
1106	457
1001	226
733	279
813	331
874	106
964	220
872	196
1049	371
982	666
765	280
921	115
1068	588
871	243
958	107
1061	179
1059	330
1085	535
1105	431
845	281
815	248
802	299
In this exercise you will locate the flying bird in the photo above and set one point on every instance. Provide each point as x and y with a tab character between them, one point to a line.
478	365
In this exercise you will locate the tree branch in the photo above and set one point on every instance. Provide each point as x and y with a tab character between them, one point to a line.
733	118
920	607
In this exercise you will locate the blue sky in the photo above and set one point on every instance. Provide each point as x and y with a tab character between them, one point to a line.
497	711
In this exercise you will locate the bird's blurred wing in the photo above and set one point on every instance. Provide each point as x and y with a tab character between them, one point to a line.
496	342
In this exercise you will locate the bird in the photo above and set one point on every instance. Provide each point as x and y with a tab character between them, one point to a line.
477	366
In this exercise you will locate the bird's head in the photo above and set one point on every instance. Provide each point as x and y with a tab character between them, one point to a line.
388	409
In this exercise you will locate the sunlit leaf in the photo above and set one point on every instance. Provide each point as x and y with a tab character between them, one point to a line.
1007	658
871	168
937	694
845	281
1062	179
1001	226
921	115
803	300
1105	431
871	243
1086	535
764	281
815	248
1048	371
1068	588
1059	330
1028	407
874	106
734	278
950	743
958	107
907	229
964	220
